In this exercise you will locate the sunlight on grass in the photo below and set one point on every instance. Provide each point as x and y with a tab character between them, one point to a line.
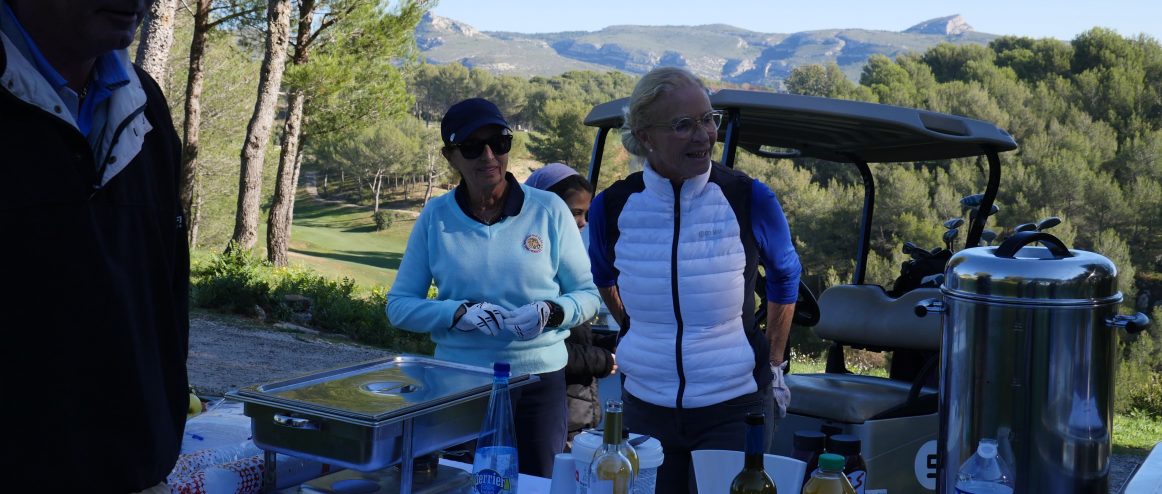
1136	434
807	365
339	240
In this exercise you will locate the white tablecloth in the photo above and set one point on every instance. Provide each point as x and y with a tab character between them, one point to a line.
526	484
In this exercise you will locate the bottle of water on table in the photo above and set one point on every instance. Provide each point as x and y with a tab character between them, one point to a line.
495	466
985	472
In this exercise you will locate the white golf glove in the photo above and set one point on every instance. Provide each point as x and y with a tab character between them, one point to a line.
484	317
779	390
528	321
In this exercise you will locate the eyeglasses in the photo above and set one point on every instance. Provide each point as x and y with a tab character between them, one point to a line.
500	144
684	127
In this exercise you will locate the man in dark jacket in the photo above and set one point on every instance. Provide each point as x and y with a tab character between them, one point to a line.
95	294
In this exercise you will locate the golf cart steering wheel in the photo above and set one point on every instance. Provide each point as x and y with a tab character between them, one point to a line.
806	312
806	307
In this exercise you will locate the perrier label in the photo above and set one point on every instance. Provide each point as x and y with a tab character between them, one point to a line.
491	482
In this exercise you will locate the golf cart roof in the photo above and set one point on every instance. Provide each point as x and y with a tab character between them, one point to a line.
841	130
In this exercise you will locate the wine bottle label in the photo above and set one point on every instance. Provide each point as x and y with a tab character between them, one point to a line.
858	478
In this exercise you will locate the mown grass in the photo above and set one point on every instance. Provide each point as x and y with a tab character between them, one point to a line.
339	240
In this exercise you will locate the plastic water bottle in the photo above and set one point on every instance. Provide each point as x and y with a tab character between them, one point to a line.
985	472
495	467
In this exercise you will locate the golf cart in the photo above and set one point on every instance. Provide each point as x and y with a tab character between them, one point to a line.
895	417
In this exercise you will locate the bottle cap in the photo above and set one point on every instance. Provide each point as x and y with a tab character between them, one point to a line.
809	441
987	448
843	444
754	418
500	369
831	462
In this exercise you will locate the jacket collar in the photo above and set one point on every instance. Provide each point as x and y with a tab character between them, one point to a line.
126	119
657	184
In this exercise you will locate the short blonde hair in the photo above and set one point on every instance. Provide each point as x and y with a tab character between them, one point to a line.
652	86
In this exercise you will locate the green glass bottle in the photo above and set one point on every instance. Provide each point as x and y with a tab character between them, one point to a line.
611	472
628	450
753	478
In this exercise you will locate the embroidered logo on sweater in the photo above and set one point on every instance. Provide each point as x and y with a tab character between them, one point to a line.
534	244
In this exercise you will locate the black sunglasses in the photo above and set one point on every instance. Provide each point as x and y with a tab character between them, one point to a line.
500	144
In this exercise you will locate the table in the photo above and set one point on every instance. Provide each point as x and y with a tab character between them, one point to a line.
1148	478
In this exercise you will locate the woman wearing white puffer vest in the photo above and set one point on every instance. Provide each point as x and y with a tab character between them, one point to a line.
675	250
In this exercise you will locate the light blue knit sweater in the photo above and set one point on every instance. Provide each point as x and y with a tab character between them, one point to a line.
532	256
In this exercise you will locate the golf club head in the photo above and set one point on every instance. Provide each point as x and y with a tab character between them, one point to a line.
971	201
988	236
916	252
1025	227
949	236
1048	223
951	223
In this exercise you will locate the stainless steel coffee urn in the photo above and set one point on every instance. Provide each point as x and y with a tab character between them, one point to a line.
1028	359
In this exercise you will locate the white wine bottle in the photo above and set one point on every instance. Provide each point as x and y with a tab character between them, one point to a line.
753	478
628	450
611	472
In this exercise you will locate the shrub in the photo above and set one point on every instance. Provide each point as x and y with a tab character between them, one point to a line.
236	281
383	220
1138	388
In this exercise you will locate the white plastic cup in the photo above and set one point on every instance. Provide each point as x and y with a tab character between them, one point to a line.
563	481
649	455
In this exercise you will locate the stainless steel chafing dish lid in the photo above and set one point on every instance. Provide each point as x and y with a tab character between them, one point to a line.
376	391
1033	275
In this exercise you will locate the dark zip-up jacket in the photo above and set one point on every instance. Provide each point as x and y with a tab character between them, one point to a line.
94	303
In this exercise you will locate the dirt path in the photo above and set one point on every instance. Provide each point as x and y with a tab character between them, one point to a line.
228	352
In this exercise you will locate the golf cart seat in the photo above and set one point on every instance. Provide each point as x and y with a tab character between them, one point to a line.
864	316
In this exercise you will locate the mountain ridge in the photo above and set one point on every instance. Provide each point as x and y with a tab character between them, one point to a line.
713	51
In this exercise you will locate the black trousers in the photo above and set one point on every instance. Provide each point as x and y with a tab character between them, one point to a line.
541	426
718	426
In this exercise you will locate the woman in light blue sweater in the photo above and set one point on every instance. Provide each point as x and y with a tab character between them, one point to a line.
511	274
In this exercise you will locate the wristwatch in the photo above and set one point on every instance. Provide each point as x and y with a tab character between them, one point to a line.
556	314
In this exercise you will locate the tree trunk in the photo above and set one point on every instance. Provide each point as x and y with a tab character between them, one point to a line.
195	217
278	223
156	39
378	188
431	177
193	108
326	174
258	130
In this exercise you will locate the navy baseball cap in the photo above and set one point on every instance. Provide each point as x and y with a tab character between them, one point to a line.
465	117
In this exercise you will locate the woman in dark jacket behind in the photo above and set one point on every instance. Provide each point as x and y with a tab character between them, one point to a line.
590	355
590	358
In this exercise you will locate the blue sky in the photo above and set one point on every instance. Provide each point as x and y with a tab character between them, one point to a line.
1061	19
